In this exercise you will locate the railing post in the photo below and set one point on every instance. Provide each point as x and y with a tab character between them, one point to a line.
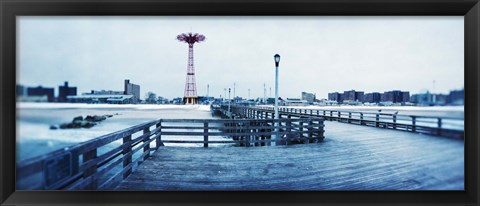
394	116
361	118
158	141
319	131
311	112
377	119
146	148
300	128
205	134
439	123
127	159
414	128
310	131
349	117
289	129
247	134
318	113
339	113
90	155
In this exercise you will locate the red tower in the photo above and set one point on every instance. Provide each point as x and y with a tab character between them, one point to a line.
190	94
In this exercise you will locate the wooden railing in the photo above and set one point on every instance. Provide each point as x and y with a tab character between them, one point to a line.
95	164
103	162
434	125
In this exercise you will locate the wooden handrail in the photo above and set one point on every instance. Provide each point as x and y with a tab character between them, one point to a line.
91	164
435	125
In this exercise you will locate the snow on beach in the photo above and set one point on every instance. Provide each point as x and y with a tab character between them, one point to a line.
34	136
30	105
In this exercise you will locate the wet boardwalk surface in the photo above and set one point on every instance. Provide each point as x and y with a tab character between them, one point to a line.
352	157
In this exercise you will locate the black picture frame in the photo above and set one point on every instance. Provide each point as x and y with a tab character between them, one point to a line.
9	9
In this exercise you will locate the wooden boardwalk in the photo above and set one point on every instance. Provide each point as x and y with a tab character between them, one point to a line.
350	158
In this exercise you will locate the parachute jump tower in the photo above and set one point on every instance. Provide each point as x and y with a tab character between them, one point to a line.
190	94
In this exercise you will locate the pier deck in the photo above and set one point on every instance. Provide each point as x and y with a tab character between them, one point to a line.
350	158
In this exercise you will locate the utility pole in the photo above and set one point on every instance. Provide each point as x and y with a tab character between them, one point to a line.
234	92
224	93
264	94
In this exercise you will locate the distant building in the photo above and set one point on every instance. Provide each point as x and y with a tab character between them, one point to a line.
20	90
205	99
270	100
395	96
335	96
295	102
422	99
374	97
41	91
132	89
405	96
359	96
64	91
349	95
456	97
309	97
105	92
101	99
441	99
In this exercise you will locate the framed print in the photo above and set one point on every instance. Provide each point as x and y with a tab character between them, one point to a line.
256	103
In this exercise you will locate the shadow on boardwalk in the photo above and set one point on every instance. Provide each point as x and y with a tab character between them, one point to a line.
350	158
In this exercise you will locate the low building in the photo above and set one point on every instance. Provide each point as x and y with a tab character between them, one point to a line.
41	91
309	97
295	102
105	92
101	99
64	91
24	98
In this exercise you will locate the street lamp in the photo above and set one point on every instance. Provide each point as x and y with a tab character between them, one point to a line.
229	100
277	61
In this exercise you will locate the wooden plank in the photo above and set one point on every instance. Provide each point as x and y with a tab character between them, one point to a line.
350	158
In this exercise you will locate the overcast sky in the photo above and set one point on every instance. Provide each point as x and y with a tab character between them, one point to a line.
318	54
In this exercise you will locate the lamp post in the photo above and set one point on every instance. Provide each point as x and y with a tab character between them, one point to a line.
277	61
229	100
